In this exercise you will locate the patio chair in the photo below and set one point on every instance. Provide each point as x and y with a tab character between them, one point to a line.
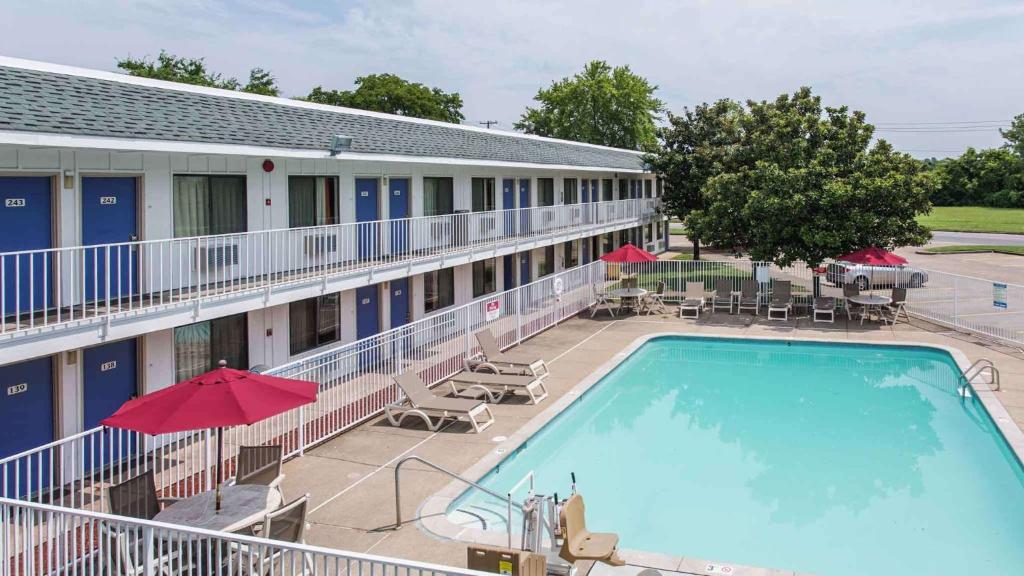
259	465
125	553
286	524
824	310
782	301
849	291
421	402
723	295
750	297
693	300
137	497
494	360
581	544
892	311
655	301
494	387
602	299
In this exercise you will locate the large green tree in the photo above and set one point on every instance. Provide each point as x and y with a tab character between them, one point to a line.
696	146
600	105
193	71
1014	135
393	95
988	177
806	183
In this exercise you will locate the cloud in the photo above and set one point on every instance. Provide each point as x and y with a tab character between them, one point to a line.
899	61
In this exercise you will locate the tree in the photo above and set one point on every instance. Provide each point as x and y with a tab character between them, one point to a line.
806	184
1014	135
988	177
695	147
193	71
601	105
393	95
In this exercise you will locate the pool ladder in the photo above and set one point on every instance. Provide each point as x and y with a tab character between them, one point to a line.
979	367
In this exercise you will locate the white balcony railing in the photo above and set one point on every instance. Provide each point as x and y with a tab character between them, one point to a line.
86	284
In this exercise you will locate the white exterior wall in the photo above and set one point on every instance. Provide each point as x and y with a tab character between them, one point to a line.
268	327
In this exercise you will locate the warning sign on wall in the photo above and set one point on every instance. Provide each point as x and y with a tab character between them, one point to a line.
493	310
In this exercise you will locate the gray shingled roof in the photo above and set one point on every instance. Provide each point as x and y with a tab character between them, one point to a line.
48	102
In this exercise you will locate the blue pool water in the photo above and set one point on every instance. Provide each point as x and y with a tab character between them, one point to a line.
840	460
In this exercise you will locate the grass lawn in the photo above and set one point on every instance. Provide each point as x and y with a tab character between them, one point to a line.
975	219
1018	250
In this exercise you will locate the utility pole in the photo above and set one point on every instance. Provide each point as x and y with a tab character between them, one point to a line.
489	123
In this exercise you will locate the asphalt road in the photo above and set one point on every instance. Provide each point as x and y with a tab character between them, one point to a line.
984	238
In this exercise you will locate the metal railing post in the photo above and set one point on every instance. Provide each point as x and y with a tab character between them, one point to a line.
148	552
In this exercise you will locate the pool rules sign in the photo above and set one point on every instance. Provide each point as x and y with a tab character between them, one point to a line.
492	310
999	295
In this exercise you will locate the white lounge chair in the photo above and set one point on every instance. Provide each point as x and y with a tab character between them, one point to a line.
722	297
498	362
782	301
494	387
824	310
693	300
750	297
421	402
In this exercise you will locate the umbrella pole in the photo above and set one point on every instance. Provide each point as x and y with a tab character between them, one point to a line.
220	460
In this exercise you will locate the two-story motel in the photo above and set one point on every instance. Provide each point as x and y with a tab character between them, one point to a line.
149	229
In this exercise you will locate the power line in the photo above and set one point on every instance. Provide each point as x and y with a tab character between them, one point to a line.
942	123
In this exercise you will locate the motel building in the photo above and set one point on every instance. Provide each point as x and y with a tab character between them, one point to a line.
149	229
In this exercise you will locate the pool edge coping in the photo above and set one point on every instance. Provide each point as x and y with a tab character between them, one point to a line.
433	511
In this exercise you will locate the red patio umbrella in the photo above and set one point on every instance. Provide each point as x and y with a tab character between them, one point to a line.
629	253
874	256
218	398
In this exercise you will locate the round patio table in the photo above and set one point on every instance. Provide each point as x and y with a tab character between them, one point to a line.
629	297
870	302
241	506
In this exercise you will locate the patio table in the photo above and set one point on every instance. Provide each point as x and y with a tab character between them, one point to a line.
628	296
871	302
241	506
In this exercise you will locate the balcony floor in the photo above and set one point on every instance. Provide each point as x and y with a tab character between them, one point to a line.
351	478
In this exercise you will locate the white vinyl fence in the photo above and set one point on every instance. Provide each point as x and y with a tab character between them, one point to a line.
37	539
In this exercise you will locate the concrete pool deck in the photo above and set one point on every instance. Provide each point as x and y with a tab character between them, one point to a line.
351	478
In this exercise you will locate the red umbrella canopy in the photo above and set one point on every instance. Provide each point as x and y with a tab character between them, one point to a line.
874	256
629	253
218	398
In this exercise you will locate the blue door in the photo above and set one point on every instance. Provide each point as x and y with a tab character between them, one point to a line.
398	207
524	268
399	302
508	267
524	202
367	312
508	203
26	412
367	210
593	191
584	192
25	222
109	379
109	215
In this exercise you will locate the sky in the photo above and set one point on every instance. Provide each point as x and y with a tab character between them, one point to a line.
935	76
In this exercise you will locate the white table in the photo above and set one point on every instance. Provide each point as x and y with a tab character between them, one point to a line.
241	506
869	302
628	294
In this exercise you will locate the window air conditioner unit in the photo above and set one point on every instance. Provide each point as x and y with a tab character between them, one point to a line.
486	224
218	256
316	245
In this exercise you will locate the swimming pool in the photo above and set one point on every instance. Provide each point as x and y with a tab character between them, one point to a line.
836	459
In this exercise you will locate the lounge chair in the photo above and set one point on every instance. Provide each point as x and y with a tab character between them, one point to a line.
494	360
824	310
750	297
259	465
494	387
782	300
421	402
723	295
693	300
581	544
850	290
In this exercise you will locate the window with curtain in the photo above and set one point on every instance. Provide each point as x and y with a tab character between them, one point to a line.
312	201
438	196
205	205
483	194
483	277
545	191
546	265
570	192
438	289
623	189
199	347
648	187
313	322
607	193
571	253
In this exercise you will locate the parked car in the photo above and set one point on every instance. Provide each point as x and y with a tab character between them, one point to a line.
869	276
